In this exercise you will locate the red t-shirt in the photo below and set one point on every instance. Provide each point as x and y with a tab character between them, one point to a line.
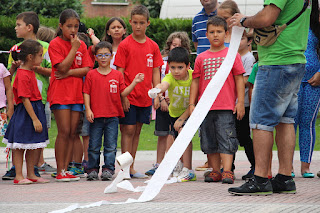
25	85
104	91
136	58
67	90
206	65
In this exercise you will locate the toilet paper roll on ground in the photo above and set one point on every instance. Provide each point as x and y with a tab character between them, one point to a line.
125	160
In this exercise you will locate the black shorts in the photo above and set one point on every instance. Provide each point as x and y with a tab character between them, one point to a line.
163	123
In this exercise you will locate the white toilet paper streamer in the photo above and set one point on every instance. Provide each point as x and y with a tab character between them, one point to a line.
179	146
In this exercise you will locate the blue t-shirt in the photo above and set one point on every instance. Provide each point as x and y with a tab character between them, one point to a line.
199	29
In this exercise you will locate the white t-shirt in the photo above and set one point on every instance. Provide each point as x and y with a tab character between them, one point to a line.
3	73
248	61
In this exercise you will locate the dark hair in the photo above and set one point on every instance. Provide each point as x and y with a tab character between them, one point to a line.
30	18
83	37
314	21
180	55
23	50
140	10
217	21
82	28
107	37
101	45
46	34
64	16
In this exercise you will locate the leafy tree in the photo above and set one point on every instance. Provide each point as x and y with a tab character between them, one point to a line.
47	8
154	6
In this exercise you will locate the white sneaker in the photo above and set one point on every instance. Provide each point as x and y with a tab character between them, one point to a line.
177	169
186	175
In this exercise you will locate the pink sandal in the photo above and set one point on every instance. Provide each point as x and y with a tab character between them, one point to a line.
39	180
22	182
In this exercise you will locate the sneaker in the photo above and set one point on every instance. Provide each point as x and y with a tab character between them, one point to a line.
54	175
152	170
213	176
204	167
10	175
207	172
72	177
36	171
252	187
106	175
286	187
93	175
46	168
79	172
227	177
318	174
177	169
62	177
186	175
249	174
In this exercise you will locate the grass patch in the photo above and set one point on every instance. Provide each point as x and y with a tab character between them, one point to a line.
148	141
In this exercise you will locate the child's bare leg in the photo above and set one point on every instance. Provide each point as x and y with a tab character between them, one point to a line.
77	150
135	143
187	157
127	134
161	147
74	145
31	156
170	141
85	143
41	159
214	160
63	124
18	162
37	156
270	166
226	161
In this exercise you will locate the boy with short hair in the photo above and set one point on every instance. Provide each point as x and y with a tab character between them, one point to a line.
178	85
27	25
218	134
137	53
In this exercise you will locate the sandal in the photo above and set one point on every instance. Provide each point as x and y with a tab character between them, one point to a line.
22	182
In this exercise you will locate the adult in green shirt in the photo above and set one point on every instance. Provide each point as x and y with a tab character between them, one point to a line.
274	99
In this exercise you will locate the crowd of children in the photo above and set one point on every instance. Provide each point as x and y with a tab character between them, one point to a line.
116	92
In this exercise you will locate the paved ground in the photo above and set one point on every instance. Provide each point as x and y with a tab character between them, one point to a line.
195	196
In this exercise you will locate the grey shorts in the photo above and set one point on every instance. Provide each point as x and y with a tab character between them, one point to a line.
218	133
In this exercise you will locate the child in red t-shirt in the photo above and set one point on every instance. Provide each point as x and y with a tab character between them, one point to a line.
102	89
137	53
70	62
27	128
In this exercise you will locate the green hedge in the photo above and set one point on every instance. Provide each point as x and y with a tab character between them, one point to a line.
158	30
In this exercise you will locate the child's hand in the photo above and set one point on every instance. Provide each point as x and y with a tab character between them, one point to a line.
156	103
9	113
16	64
89	115
125	104
61	75
164	106
139	78
153	93
37	125
178	124
239	109
75	42
90	32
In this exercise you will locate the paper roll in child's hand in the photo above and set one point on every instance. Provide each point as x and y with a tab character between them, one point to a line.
154	92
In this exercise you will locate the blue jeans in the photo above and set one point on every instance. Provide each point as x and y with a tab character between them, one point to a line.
109	128
275	95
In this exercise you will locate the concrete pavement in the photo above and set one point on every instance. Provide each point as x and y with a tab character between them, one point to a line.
196	196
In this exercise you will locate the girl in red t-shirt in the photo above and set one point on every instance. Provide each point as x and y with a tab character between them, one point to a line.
70	62
27	128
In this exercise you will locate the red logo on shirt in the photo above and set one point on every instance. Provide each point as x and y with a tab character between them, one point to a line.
149	60
79	58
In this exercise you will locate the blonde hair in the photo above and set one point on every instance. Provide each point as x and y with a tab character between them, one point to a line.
231	5
46	34
183	36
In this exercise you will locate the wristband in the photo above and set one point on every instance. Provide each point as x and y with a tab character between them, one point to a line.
161	99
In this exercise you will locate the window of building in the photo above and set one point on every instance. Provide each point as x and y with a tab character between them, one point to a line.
110	2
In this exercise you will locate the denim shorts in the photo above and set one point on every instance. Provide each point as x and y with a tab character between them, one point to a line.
162	126
275	95
136	114
218	133
84	125
72	107
173	131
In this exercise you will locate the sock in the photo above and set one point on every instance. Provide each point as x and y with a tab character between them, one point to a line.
261	179
283	178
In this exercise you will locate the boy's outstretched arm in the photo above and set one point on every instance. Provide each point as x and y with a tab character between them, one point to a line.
239	109
194	91
139	78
